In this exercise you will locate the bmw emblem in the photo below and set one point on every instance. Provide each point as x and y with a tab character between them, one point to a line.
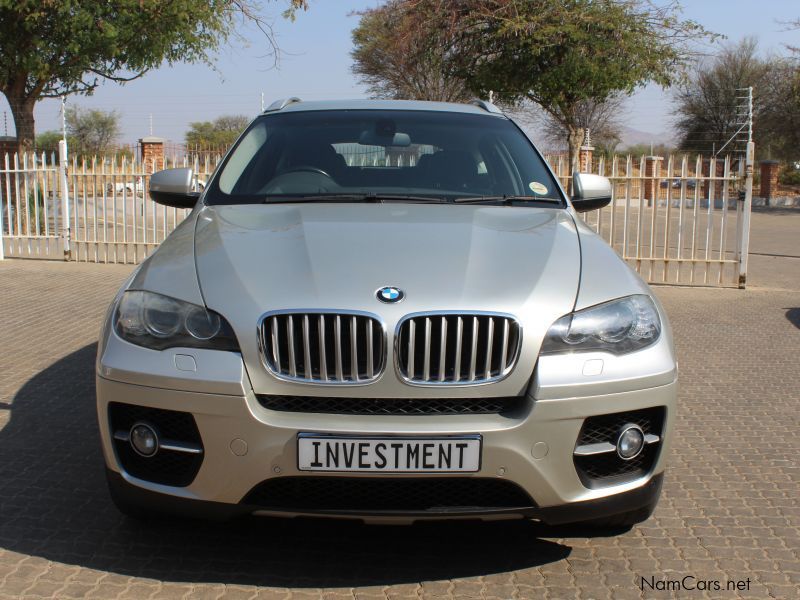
390	295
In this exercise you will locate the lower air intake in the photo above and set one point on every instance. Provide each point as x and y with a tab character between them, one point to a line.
395	495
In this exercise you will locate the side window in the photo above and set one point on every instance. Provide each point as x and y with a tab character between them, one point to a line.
242	157
503	175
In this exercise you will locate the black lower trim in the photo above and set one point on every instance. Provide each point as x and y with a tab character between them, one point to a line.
645	497
431	494
133	496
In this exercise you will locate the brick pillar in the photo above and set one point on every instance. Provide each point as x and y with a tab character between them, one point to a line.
152	149
7	144
652	170
585	159
769	179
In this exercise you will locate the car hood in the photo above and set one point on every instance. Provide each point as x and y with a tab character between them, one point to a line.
252	259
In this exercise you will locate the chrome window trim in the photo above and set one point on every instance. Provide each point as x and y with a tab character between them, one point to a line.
326	311
448	313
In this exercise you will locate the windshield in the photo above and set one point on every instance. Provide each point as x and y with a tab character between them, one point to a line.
441	156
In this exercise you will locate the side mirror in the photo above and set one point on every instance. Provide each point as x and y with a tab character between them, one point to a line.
173	187
590	192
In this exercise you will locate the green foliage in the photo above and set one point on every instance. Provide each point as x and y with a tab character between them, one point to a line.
91	132
47	142
51	48
35	203
217	134
560	52
790	177
564	56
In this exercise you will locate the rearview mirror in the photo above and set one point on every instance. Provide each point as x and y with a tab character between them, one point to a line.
173	187
590	192
370	138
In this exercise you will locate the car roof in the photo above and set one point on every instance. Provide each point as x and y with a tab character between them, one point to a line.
296	105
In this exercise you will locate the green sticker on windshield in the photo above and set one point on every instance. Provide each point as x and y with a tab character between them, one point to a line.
537	188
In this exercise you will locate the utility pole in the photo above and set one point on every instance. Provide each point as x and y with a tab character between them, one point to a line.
262	102
151	124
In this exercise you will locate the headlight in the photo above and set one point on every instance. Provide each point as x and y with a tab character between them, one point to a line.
158	322
619	327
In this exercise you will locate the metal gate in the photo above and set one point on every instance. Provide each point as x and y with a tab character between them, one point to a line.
96	210
30	200
679	220
682	221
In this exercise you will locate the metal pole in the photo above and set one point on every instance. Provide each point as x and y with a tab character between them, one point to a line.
743	230
2	252
62	171
64	118
262	102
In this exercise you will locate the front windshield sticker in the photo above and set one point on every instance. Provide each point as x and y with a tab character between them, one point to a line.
537	188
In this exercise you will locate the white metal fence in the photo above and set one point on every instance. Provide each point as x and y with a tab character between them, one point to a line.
676	220
679	220
98	210
30	200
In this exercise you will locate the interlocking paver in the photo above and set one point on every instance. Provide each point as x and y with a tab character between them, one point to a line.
729	509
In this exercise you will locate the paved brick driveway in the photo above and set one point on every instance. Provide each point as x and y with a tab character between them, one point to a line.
729	511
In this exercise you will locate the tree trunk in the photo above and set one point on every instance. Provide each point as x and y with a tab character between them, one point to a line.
22	111
574	141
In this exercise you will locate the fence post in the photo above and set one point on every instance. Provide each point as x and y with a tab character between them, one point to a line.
62	172
2	251
743	227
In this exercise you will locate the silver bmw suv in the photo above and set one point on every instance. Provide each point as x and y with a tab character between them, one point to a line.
389	311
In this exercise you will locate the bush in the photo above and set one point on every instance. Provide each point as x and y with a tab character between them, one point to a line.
790	177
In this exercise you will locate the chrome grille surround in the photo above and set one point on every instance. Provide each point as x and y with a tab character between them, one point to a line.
323	346
447	338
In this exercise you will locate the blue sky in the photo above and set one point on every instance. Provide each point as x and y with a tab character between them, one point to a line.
316	64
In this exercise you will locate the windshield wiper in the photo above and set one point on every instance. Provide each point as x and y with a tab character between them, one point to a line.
366	198
505	199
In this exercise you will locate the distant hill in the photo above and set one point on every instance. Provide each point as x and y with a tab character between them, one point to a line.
632	137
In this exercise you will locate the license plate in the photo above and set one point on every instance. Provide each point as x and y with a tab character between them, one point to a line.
455	454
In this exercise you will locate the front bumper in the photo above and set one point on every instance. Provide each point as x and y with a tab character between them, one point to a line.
533	449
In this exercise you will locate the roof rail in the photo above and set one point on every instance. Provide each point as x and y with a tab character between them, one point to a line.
282	103
486	105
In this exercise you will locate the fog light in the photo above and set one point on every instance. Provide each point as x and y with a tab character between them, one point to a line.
630	442
144	439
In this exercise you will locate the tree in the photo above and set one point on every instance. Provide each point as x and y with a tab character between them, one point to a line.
602	119
53	48
47	142
220	133
563	55
399	55
91	132
708	105
778	126
566	56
